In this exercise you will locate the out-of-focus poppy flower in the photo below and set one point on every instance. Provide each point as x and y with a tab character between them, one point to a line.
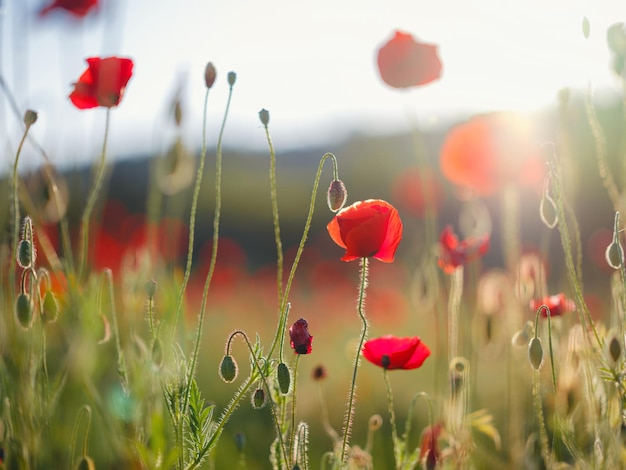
78	8
367	228
558	305
430	453
103	83
404	62
454	253
300	337
491	151
391	352
413	186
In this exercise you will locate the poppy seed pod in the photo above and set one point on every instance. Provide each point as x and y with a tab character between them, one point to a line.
284	378
232	78
210	74
258	399
30	118
228	369
535	353
151	287
24	310
264	116
336	196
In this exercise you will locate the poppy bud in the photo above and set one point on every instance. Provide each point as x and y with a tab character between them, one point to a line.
300	338
25	254
228	369
284	378
535	353
522	337
151	287
240	441
614	254
24	310
375	422
30	118
264	116
50	308
258	398
178	113
232	78
210	73
319	372
615	349
86	463
337	195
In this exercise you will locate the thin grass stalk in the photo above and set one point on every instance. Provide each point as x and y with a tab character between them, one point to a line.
91	201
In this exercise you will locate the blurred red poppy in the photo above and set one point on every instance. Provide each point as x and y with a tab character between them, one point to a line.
490	151
558	305
414	187
300	338
103	83
391	352
404	62
430	454
78	8
454	253
367	228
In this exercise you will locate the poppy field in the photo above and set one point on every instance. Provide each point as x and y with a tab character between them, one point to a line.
467	310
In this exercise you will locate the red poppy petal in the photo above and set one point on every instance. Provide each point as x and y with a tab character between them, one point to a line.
335	233
420	354
393	237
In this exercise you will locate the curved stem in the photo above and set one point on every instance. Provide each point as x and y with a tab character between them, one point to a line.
93	196
409	417
347	425
279	336
85	409
274	198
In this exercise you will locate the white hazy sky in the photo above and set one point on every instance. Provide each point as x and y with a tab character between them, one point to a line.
311	64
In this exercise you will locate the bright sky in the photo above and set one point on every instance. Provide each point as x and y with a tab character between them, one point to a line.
311	64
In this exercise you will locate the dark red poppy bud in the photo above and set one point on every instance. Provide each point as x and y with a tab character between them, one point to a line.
284	378
210	73
337	195
30	118
319	372
24	310
258	398
228	369
300	338
232	78
535	353
264	116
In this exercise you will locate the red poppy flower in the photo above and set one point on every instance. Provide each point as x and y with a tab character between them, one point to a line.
558	305
454	253
300	338
404	62
490	151
78	8
430	454
391	352
414	187
103	83
367	228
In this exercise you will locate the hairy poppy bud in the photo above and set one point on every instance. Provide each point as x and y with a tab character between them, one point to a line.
228	369
232	78
49	308
284	378
614	254
30	117
210	73
25	254
535	353
300	338
151	287
258	398
264	116
24	310
337	195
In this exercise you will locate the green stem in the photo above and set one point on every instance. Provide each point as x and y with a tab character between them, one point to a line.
274	198
454	305
293	411
16	211
91	201
194	208
543	435
397	451
279	336
347	424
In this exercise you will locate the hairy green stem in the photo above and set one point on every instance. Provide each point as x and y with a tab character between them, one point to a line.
397	451
347	424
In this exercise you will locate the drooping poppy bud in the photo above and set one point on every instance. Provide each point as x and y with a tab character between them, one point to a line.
49	308
258	399
535	353
228	369
337	195
24	310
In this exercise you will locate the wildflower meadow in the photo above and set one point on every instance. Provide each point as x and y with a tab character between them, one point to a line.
466	309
